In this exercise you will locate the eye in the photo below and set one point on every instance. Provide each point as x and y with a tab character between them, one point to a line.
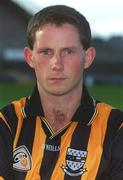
46	52
70	51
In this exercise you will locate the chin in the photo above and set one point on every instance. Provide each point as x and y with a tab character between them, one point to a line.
58	92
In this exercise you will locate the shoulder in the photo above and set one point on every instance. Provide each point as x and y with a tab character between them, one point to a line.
110	116
14	106
110	111
11	113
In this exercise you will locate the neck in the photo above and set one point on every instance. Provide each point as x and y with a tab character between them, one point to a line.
59	110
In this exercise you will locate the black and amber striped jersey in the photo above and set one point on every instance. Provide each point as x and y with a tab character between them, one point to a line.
90	147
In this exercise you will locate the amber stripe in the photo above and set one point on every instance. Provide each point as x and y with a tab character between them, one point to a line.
96	141
37	152
58	172
4	120
17	107
1	178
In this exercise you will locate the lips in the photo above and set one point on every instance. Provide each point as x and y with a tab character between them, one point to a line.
57	79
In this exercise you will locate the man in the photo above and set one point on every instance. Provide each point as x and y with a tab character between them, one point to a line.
60	132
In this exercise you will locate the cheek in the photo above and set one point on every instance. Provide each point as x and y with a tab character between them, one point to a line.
77	67
41	68
39	63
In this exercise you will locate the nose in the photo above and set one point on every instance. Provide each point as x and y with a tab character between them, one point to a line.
56	63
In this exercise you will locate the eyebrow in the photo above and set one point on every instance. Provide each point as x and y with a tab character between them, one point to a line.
66	47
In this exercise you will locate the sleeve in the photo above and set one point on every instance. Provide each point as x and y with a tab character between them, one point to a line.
116	170
5	151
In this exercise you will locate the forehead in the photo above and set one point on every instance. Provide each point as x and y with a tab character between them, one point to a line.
65	26
65	29
60	34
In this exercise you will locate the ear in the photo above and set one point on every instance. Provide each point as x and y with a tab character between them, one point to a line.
28	56
90	55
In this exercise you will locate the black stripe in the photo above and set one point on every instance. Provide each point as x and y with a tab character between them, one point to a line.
26	138
114	122
5	151
11	118
50	158
79	142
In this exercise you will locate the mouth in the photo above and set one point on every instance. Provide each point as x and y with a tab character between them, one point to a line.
57	79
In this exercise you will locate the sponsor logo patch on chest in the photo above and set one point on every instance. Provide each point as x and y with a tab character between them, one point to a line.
49	147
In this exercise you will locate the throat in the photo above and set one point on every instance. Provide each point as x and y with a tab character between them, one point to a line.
58	111
59	115
58	119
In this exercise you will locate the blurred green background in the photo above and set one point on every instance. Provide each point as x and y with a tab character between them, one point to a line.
110	94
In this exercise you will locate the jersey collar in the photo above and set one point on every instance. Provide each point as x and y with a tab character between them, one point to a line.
84	114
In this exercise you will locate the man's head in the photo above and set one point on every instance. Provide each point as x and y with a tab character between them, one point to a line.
59	15
59	49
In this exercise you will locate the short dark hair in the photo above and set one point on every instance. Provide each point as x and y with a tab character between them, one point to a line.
59	14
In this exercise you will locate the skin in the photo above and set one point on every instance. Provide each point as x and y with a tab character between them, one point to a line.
59	60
